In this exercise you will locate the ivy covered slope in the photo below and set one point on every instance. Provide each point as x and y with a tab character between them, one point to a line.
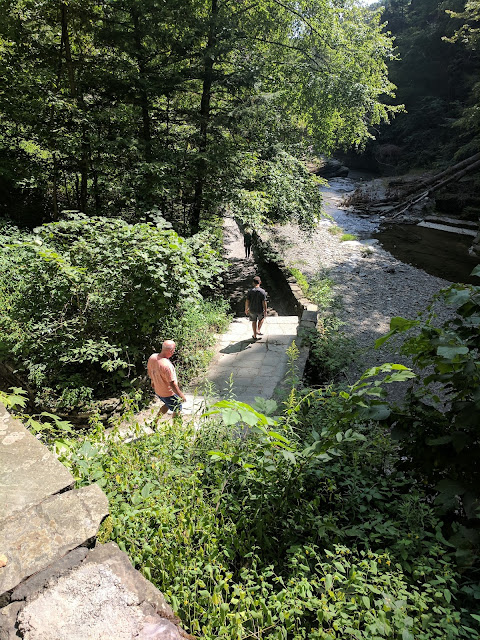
85	301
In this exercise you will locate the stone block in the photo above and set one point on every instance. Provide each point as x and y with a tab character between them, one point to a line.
37	582
309	316
92	602
118	562
43	533
29	473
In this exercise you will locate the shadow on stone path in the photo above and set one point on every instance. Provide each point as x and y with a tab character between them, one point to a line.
241	369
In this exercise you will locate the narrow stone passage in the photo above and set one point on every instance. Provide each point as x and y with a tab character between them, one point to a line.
241	272
243	368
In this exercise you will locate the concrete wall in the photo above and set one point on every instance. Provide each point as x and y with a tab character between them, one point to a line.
306	310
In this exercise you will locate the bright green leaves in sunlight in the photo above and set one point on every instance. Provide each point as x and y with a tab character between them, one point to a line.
85	301
115	108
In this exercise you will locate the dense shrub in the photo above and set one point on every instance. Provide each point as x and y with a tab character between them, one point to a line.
84	302
288	532
439	425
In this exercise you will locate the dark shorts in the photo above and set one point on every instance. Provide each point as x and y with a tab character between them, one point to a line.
255	317
172	402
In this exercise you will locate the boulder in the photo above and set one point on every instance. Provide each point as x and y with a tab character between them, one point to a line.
29	473
100	596
332	169
39	535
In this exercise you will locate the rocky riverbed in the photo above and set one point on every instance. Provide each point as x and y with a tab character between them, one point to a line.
372	285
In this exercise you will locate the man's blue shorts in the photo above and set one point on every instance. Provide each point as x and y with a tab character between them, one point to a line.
172	402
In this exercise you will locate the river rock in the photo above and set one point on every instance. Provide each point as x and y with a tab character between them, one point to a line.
475	248
332	169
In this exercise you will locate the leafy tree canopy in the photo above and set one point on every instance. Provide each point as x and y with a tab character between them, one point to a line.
115	107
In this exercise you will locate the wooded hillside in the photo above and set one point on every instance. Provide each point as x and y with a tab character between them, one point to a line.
182	106
436	71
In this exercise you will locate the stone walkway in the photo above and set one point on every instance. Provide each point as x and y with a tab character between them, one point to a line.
254	368
244	369
241	369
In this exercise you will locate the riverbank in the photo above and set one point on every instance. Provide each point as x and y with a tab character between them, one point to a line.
372	285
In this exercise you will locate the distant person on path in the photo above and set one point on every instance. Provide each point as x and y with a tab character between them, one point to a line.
247	241
164	379
256	307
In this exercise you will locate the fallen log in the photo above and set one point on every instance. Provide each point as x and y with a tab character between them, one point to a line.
450	170
455	171
438	185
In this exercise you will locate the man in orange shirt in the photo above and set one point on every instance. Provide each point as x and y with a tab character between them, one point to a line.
164	378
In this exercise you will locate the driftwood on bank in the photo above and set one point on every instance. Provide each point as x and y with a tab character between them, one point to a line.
403	199
435	183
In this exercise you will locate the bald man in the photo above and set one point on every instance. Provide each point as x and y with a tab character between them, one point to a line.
164	378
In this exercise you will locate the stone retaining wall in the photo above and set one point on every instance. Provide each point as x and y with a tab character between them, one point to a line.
56	583
306	310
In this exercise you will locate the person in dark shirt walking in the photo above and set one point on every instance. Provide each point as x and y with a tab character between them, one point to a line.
256	307
247	241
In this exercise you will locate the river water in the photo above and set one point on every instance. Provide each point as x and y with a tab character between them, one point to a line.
439	253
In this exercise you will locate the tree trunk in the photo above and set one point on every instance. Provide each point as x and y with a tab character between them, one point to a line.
146	131
85	145
420	187
54	187
68	51
204	120
437	185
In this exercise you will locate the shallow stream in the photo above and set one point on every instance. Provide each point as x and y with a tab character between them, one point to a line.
439	253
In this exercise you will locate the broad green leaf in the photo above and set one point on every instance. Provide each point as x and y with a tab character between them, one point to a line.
402	324
451	352
457	297
230	416
476	271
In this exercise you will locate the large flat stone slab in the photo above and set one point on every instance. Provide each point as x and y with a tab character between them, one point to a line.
29	473
37	536
104	597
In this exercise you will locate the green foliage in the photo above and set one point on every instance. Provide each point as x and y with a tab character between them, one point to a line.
85	302
118	108
15	399
322	292
301	280
331	350
280	189
46	426
438	124
438	426
334	230
346	237
265	526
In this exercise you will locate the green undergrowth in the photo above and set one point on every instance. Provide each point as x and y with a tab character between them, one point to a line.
331	350
301	280
288	527
85	301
